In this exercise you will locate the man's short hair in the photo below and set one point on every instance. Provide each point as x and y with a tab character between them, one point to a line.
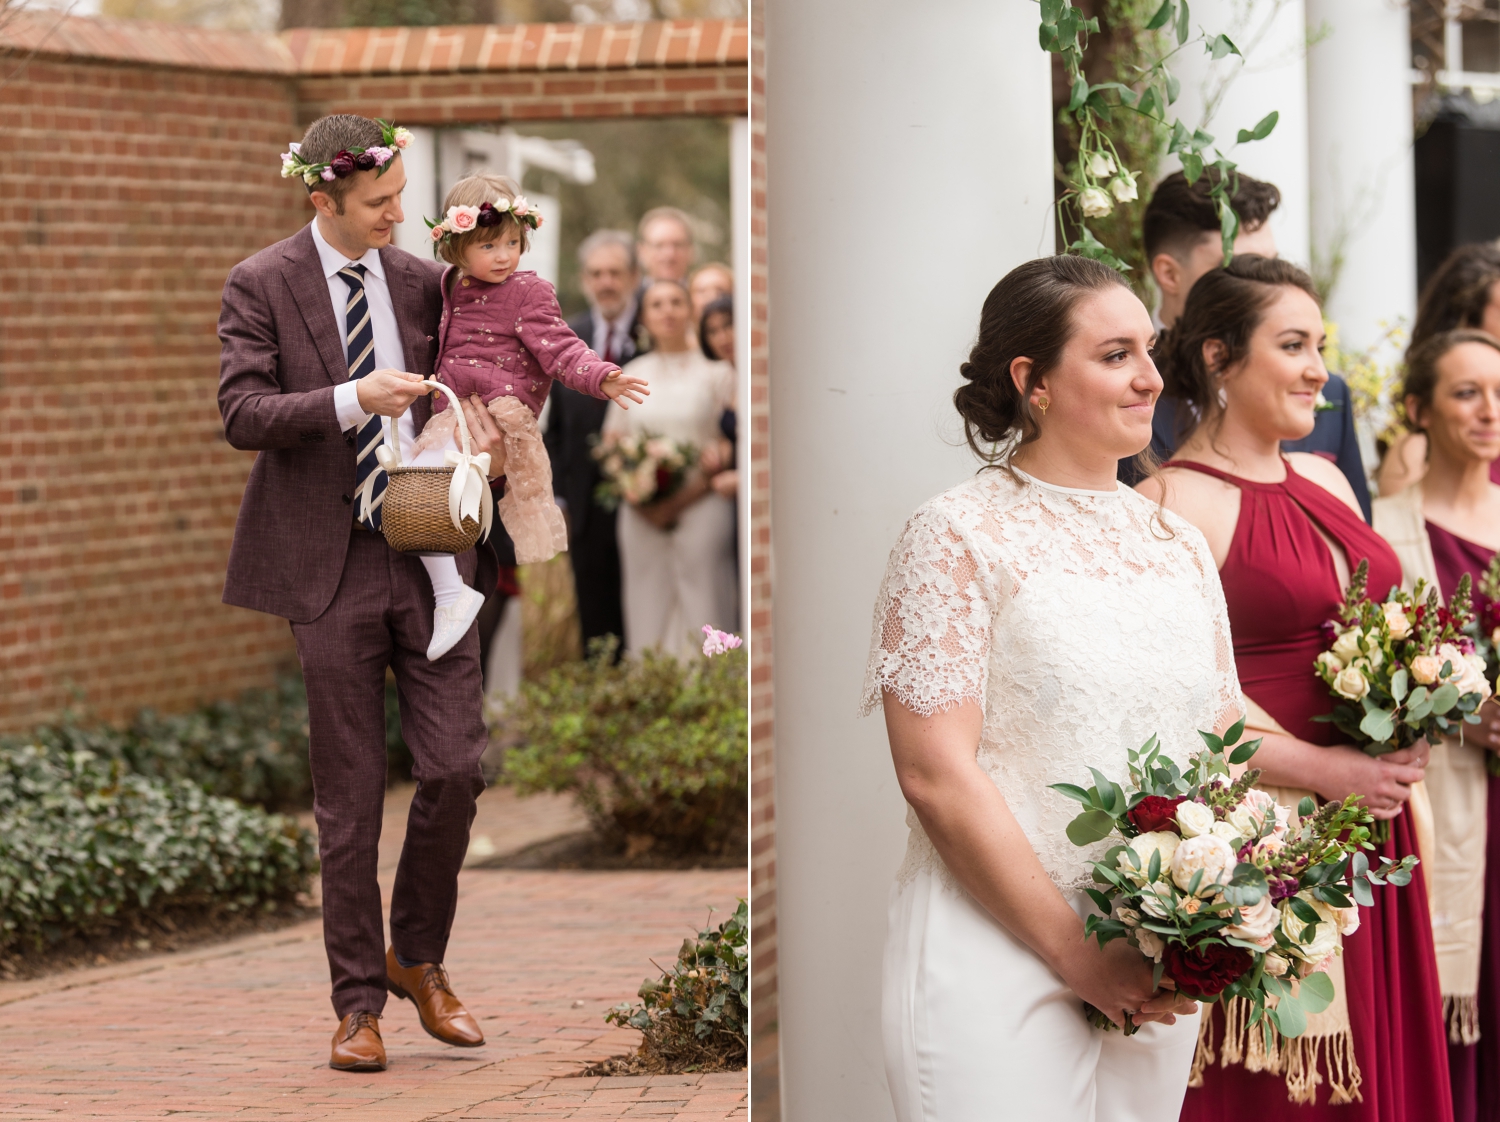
599	239
659	212
327	137
1180	213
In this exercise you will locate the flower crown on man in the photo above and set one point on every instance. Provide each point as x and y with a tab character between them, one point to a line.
346	161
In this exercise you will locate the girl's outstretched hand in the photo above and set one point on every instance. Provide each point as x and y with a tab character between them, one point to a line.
623	388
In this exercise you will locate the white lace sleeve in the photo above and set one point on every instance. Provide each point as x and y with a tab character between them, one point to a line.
931	642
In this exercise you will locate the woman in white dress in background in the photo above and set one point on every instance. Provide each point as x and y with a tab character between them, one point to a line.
677	555
1035	621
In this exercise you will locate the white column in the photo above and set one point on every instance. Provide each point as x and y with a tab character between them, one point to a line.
1363	204
1226	96
910	167
420	199
739	209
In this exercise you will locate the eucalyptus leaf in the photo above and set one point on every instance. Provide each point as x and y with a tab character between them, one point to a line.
1444	698
1162	17
1183	26
1221	46
1266	124
1078	794
1378	725
1290	1017
1316	992
1089	827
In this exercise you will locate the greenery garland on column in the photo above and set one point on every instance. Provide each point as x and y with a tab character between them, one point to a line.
1099	179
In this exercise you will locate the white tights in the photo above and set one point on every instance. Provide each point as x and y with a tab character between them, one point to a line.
442	569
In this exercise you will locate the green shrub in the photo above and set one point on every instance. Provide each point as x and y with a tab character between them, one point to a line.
253	749
650	746
84	840
695	1016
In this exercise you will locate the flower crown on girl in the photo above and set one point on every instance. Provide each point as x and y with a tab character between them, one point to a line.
462	219
347	161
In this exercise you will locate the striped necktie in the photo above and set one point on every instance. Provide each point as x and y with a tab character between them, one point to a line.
359	339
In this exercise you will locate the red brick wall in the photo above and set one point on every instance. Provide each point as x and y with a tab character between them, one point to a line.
126	193
139	168
765	1090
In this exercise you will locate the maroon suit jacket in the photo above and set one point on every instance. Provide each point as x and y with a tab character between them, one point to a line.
281	359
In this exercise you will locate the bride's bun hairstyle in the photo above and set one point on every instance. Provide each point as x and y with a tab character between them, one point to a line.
1029	314
1458	292
1421	367
1227	304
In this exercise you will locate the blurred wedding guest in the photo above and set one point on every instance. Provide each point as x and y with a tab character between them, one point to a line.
1285	532
707	284
664	244
1464	292
609	277
1443	527
1181	233
716	329
677	553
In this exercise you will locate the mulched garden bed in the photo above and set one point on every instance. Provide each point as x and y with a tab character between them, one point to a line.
635	1064
138	936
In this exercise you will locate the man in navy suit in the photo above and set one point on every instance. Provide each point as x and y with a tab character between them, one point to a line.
1181	232
610	279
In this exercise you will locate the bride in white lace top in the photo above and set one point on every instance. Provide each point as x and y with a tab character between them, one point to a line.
1033	623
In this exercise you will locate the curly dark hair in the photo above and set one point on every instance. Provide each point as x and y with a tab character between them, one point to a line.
1227	304
1458	292
1180	213
1027	315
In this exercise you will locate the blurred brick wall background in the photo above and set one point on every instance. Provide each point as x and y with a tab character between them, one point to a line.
139	168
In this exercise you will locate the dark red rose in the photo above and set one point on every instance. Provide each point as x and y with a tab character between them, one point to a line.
489	216
342	164
1207	970
1156	812
663	481
364	161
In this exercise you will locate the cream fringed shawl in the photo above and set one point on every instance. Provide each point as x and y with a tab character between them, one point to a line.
1457	784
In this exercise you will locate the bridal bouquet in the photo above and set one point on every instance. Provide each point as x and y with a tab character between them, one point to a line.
640	469
1222	887
1484	632
1403	670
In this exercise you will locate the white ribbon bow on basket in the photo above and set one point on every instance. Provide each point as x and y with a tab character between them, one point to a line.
469	489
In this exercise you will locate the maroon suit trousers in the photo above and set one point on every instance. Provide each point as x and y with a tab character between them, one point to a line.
381	616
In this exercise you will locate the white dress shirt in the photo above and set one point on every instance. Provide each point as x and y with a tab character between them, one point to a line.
616	331
389	354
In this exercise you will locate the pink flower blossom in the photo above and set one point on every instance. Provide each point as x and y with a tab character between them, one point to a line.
463	218
328	176
437	233
382	155
402	138
719	642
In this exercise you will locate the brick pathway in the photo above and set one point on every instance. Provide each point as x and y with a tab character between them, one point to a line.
240	1031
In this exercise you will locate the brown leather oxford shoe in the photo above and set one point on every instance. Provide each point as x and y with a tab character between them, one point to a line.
357	1045
425	985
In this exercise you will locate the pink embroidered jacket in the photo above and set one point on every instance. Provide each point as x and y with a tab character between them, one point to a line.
509	340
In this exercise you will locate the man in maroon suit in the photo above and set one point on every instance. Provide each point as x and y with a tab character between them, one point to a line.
323	335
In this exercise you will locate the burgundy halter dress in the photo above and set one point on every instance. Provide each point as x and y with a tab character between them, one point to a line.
1281	586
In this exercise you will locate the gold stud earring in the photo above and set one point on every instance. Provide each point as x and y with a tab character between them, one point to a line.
1042	403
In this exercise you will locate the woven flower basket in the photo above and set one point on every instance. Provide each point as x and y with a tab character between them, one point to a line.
421	510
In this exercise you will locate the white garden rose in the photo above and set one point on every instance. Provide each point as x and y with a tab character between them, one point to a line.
1212	855
1347	646
1144	845
1101	165
1257	923
1227	830
1154	906
1151	943
1277	965
1347	920
1329	663
1245	820
1194	819
1325	936
1425	669
1397	621
1128	916
1122	187
1351	683
1094	203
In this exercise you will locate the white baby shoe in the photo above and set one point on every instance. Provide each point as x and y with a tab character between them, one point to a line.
451	624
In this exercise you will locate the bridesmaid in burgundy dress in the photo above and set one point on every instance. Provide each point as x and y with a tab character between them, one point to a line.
1285	532
1443	527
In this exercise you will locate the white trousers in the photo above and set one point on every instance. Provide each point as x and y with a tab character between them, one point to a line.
978	1029
675	581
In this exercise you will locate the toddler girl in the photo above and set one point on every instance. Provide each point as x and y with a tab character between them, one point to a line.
502	337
